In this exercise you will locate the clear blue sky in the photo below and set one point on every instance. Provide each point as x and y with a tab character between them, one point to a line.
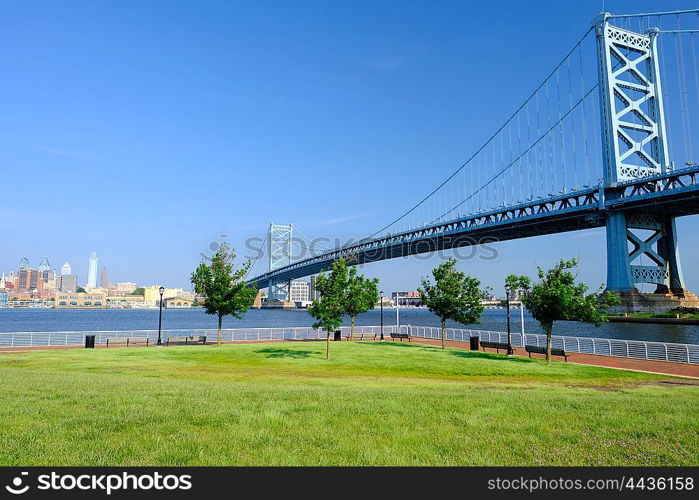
144	129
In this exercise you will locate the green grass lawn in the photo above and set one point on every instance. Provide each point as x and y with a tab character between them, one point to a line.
372	404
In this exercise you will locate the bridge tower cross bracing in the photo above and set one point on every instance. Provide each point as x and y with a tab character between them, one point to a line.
634	144
280	240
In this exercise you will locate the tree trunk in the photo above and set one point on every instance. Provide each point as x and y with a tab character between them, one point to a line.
218	338
327	346
351	337
549	329
444	333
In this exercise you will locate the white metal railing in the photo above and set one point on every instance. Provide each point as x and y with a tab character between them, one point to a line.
22	339
660	351
638	349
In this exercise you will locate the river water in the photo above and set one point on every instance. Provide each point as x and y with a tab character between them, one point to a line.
51	320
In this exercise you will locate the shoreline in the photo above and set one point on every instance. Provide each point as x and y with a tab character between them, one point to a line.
653	321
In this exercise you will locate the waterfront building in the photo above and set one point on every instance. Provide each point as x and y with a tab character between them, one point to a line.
4	299
178	303
125	286
125	302
104	280
299	291
407	299
66	269
92	271
90	300
67	283
151	294
387	301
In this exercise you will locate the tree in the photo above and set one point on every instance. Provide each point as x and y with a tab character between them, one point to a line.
557	297
80	290
361	295
139	291
514	284
223	287
330	307
454	296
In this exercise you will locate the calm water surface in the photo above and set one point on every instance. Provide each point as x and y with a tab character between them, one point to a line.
45	320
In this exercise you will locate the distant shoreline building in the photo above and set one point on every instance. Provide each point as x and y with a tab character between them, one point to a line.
104	279
92	271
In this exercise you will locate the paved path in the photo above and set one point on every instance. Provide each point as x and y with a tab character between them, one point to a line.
642	365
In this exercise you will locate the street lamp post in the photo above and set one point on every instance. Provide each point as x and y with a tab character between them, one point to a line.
381	305
397	310
509	332
160	319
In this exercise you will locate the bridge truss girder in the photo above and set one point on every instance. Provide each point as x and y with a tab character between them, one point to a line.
280	241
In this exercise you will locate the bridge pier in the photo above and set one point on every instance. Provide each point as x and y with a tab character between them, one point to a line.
625	267
641	246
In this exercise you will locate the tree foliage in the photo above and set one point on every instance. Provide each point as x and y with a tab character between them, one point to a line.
361	295
517	284
558	297
453	296
223	286
330	307
139	291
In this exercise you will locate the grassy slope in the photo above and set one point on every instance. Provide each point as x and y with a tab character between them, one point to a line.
373	403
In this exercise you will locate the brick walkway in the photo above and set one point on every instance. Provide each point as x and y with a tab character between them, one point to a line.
642	365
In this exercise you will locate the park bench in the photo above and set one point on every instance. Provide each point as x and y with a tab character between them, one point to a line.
127	341
400	336
542	350
361	335
192	339
494	345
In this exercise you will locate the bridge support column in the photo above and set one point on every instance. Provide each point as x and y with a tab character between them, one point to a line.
668	249
642	248
618	266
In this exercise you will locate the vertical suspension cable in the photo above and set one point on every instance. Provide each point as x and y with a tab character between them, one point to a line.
575	153
694	59
560	129
666	103
538	134
551	152
684	106
519	152
512	170
588	181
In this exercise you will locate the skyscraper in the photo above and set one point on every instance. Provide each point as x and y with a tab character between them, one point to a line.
104	280
44	264
66	269
23	264
29	279
92	271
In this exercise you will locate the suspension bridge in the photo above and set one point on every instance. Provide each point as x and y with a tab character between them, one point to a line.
606	139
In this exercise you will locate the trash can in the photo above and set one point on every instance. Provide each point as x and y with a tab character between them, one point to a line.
89	341
474	343
338	335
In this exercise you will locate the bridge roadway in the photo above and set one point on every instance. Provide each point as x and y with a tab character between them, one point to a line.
671	194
